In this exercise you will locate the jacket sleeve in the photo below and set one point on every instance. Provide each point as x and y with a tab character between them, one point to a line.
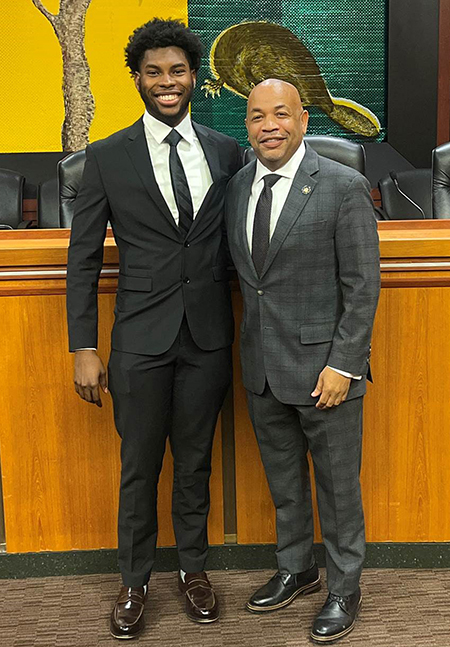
357	249
85	258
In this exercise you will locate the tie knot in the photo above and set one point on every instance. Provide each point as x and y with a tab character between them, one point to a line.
270	180
173	138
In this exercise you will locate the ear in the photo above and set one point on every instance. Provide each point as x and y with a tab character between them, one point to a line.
137	81
194	77
305	119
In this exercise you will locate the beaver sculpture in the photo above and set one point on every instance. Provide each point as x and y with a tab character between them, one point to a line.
246	54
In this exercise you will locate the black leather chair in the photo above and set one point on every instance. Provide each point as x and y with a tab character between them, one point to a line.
441	181
11	197
416	187
48	204
70	171
335	148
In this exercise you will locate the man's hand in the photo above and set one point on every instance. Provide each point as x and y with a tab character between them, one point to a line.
332	388
89	375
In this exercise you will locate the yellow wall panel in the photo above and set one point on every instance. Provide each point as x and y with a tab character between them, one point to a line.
31	100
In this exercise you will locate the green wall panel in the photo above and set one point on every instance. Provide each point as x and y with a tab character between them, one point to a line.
347	41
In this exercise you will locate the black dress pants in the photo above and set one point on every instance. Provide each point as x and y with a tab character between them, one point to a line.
176	394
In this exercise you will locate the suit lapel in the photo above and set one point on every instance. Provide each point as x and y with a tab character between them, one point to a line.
301	190
243	196
211	148
137	149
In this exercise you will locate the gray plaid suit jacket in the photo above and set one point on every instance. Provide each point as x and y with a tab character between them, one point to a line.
315	301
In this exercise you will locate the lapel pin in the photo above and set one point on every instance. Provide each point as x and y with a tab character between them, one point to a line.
306	189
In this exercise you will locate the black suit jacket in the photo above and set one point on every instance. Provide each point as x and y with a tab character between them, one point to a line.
162	276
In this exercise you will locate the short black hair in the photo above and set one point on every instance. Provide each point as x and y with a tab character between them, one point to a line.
162	33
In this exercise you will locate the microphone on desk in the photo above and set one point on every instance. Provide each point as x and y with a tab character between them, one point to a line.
393	176
5	226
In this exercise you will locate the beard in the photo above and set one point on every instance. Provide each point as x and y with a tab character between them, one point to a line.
171	119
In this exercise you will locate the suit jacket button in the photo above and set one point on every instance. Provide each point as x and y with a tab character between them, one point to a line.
260	293
187	244
186	279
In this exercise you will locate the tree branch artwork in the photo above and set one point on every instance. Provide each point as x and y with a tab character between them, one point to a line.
69	27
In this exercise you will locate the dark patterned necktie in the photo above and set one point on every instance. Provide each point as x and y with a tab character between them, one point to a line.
179	183
261	225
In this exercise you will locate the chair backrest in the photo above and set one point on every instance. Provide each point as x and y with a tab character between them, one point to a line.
70	172
70	169
11	197
48	204
335	148
416	184
441	181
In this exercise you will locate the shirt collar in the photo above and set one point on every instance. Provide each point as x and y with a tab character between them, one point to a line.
159	130
287	170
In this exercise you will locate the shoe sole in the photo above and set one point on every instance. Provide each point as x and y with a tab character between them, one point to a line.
207	621
305	590
320	640
126	637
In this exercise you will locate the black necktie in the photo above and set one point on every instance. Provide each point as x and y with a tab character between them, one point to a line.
261	225
179	183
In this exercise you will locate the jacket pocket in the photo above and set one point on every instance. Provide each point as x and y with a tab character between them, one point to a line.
135	283
136	270
312	226
317	333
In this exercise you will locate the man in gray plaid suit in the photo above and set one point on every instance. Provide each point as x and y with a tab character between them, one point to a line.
303	237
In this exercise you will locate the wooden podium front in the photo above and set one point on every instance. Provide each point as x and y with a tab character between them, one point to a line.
60	456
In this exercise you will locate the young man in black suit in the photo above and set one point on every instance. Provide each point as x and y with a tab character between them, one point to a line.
160	183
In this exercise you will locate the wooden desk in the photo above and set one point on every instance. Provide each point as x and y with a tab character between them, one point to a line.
59	456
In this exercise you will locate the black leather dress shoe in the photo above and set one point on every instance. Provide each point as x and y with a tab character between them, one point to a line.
127	617
282	589
337	617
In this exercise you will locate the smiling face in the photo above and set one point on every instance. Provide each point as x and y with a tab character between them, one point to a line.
276	122
166	82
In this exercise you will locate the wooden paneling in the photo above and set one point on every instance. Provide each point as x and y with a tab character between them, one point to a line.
60	455
406	471
60	463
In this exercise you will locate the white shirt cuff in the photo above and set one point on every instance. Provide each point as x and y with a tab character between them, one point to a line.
84	349
345	374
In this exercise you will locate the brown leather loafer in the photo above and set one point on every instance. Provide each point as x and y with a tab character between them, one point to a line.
127	617
201	601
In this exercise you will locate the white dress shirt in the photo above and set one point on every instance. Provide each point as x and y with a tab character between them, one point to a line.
279	194
279	191
191	155
192	158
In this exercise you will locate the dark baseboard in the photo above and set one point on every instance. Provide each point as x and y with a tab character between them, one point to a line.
233	557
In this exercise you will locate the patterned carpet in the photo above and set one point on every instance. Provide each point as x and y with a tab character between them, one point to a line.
401	608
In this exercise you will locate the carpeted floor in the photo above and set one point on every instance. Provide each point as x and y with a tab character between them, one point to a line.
401	608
